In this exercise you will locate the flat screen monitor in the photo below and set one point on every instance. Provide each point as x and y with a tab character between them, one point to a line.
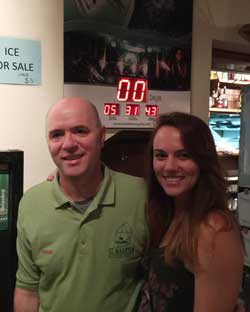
225	129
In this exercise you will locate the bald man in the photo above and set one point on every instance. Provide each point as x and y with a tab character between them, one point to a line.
81	236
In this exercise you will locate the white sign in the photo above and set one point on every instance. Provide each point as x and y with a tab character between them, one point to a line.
20	61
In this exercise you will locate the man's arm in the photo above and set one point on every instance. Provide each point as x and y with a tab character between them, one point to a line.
25	301
26	297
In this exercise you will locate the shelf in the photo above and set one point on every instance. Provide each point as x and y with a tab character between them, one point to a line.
235	82
232	179
226	129
227	154
225	110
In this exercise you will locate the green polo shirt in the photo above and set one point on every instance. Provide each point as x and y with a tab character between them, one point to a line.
83	261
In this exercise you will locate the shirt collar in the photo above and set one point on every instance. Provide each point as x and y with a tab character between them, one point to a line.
105	196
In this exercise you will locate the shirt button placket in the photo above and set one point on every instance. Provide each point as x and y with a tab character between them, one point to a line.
83	248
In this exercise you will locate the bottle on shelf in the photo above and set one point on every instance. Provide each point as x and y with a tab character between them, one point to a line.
214	99
223	97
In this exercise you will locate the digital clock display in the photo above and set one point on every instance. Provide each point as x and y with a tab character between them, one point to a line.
111	109
132	90
132	101
151	110
132	110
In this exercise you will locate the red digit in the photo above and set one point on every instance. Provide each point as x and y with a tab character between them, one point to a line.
151	110
147	110
137	110
137	94
106	109
155	110
123	84
113	109
128	110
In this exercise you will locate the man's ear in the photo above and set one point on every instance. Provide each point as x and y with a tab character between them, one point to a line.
103	135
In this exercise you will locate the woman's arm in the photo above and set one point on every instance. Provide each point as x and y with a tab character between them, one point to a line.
218	273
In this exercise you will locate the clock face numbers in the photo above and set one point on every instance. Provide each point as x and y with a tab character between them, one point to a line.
132	90
132	110
151	110
111	109
132	97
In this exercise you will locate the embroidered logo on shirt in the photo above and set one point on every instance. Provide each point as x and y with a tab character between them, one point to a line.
122	246
47	251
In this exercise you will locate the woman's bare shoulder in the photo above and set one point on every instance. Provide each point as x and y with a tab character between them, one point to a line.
218	270
219	234
218	221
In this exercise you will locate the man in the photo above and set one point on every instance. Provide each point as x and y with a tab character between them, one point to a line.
81	236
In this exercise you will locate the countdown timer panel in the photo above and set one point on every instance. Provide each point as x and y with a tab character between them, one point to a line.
130	104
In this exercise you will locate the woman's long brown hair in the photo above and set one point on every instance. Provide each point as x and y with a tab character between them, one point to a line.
209	193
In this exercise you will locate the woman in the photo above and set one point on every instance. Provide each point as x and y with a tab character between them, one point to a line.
195	257
179	71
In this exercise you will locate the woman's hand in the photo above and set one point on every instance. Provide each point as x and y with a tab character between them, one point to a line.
51	176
